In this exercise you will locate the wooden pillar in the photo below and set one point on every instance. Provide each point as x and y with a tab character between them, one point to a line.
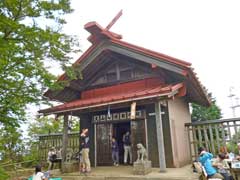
95	145
65	138
160	139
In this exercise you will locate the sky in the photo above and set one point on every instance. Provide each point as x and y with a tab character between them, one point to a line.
205	33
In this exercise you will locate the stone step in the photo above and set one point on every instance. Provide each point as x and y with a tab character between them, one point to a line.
127	173
125	178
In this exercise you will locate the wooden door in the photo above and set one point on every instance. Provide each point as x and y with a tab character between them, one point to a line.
138	135
104	134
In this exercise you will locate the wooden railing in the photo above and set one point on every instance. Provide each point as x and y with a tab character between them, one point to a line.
214	135
15	165
15	169
47	141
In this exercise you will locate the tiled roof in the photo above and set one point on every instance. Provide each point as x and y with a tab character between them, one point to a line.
142	89
100	34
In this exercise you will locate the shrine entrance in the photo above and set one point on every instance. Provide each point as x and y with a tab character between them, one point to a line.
115	127
119	129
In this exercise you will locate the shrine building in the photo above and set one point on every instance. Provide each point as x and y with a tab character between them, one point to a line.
117	75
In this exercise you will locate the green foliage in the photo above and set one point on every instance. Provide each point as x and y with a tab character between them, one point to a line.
47	125
200	113
30	40
232	147
3	174
11	144
44	125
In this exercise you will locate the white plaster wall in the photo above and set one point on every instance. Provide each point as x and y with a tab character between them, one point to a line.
179	114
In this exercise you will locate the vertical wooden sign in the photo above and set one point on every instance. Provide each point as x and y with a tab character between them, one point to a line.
133	110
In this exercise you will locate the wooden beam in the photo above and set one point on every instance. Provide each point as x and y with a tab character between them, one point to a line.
160	139
114	20
95	145
145	58
65	138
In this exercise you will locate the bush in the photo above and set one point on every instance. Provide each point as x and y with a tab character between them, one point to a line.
3	174
232	147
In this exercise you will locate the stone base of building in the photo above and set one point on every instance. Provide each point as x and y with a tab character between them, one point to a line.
142	167
69	167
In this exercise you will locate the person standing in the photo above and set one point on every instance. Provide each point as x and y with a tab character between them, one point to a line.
85	144
205	159
127	147
115	152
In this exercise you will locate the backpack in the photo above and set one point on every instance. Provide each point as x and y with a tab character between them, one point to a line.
53	157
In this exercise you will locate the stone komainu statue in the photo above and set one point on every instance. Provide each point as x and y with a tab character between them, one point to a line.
69	155
141	152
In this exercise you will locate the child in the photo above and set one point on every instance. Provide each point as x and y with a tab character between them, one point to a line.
38	175
223	168
115	152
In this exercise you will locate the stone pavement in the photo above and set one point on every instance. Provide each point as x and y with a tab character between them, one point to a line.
126	172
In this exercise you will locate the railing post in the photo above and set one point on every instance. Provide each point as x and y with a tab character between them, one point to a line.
206	138
236	132
223	135
196	142
199	135
211	139
190	142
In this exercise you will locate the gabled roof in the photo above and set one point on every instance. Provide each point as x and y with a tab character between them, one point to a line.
99	34
104	40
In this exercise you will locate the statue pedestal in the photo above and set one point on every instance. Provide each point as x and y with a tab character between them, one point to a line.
142	167
68	167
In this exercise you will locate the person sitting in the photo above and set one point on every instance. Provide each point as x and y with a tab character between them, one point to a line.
38	175
222	166
205	159
51	158
224	150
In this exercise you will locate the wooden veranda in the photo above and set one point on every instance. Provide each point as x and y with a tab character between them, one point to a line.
215	135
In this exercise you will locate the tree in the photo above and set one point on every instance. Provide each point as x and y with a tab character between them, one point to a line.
30	39
200	113
11	144
45	125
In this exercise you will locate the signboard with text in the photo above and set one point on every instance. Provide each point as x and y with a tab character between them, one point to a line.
117	116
